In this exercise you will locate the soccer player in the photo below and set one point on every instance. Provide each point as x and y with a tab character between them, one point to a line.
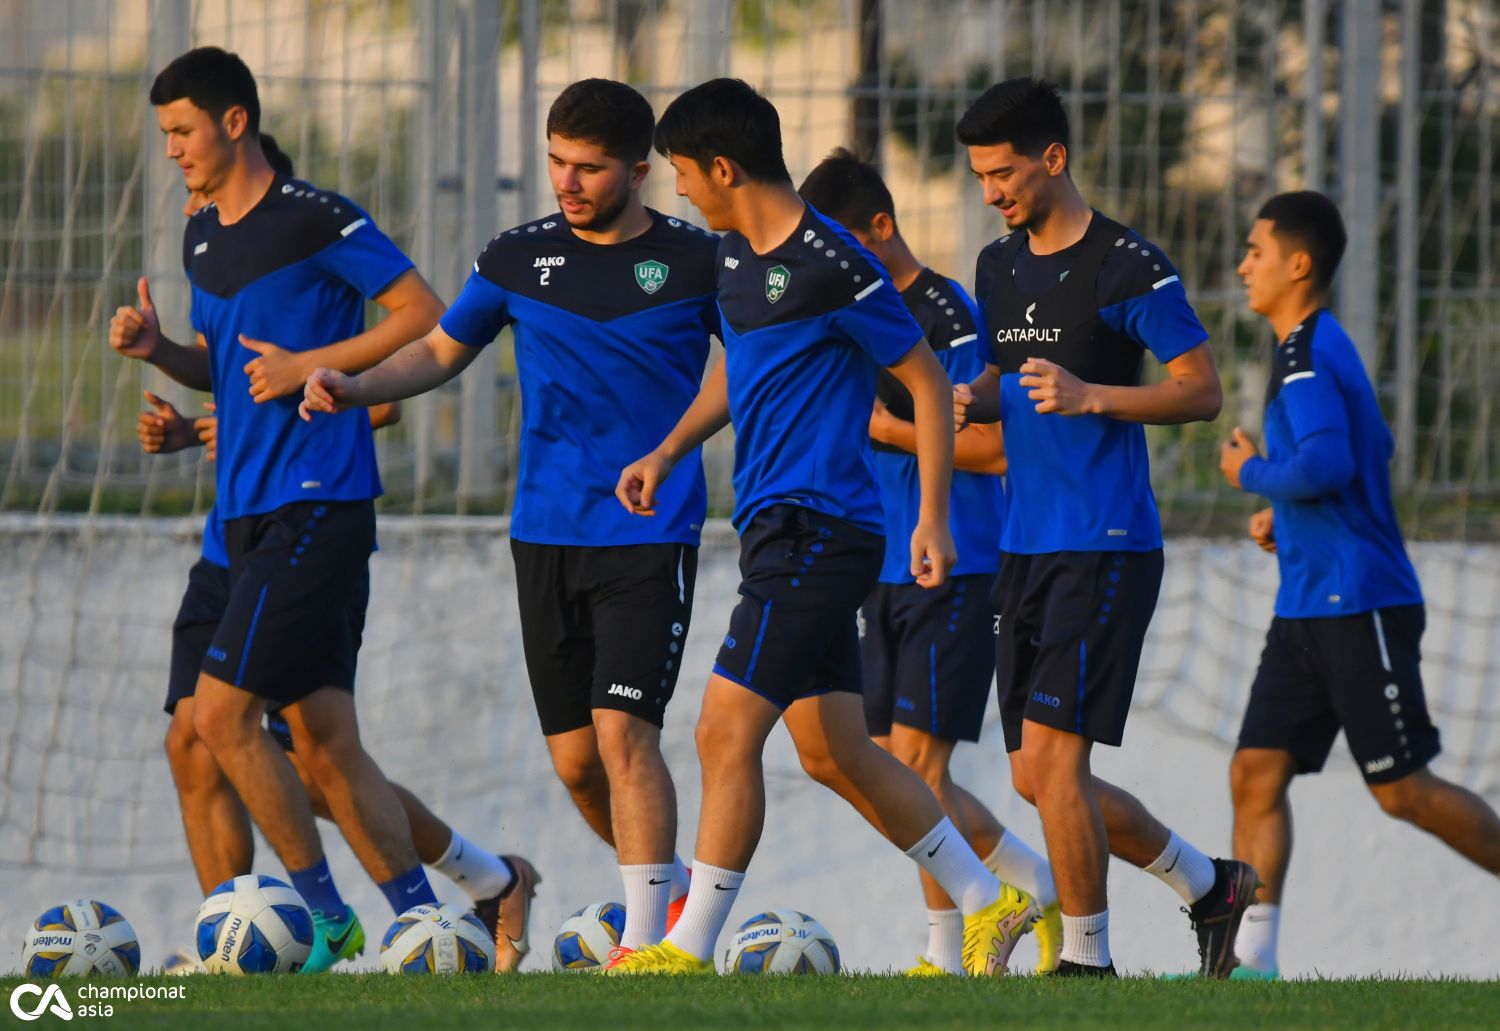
272	259
1070	300
928	655
612	306
808	317
1343	650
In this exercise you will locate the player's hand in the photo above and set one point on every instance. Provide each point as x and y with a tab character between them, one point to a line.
326	390
639	482
963	397
932	553
1055	390
1233	455
276	373
207	428
163	430
880	419
1263	531
135	332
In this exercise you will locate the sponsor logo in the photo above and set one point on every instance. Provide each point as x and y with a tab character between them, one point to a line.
1028	335
633	693
554	262
651	276
1029	309
52	997
1380	765
231	939
808	235
937	846
1175	856
777	280
654	881
42	941
1049	700
200	248
218	654
676	629
731	262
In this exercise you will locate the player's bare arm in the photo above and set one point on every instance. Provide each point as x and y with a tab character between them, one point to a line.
977	403
1190	393
932	551
415	369
981	450
707	415
412	309
136	333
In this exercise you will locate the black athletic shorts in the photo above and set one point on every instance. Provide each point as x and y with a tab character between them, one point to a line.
300	581
1362	673
929	656
198	616
603	628
1072	624
795	631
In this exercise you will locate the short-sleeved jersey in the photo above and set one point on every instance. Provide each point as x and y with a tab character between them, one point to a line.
1327	473
611	341
948	319
215	552
1080	483
806	327
295	271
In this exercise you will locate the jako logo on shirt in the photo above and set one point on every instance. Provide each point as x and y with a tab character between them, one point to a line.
651	276
633	693
53	996
777	280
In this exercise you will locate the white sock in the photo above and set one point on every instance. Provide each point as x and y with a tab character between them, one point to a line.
708	904
1183	868
1086	939
478	871
945	854
1016	862
647	891
1255	944
945	940
680	878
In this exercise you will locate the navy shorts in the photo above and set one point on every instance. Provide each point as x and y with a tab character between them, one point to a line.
1362	673
929	656
300	581
603	628
198	616
1072	625
795	631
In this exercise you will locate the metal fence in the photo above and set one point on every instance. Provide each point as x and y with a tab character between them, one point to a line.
429	112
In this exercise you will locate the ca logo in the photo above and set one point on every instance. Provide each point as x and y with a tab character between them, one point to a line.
53	996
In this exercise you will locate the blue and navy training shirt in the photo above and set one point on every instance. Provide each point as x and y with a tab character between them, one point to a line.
806	327
295	271
948	319
1327	472
1080	483
215	553
611	341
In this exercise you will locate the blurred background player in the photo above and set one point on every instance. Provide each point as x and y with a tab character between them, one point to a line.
1081	558
612	306
928	655
808	318
1343	650
272	257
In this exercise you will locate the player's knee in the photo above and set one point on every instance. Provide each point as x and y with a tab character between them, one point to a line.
1401	799
582	775
223	728
722	742
1255	780
626	743
181	741
819	765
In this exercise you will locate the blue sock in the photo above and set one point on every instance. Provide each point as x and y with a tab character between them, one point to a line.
409	889
315	885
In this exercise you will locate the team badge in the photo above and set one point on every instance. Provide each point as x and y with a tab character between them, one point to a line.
777	280
651	276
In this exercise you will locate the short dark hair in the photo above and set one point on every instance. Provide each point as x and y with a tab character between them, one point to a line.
1027	113
214	80
848	190
275	156
725	118
1306	220
605	112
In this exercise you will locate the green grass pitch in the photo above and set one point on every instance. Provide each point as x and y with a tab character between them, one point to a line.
549	1001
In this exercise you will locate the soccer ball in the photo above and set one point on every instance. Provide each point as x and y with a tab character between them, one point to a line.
80	937
437	940
586	937
254	925
782	942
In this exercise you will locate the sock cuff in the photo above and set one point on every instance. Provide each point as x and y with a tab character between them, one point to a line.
1173	846
941	830
728	878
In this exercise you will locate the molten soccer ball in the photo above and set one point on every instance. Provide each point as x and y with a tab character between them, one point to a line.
586	937
441	939
254	925
80	937
782	942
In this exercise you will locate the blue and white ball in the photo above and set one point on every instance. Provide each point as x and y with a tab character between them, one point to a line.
586	938
254	924
783	941
441	939
79	938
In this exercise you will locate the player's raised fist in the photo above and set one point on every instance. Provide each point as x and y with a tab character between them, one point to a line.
207	428
275	372
963	397
326	390
163	429
639	481
135	332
